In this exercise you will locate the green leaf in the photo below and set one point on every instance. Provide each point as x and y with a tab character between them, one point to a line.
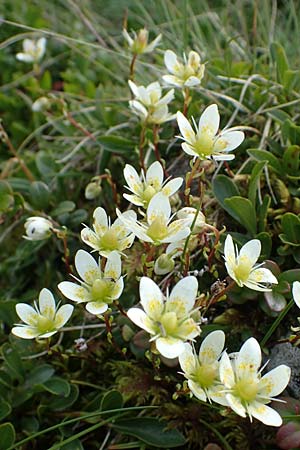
275	301
116	144
45	164
39	195
264	155
254	181
57	386
263	213
151	431
291	132
8	435
244	212
290	224
111	400
266	244
5	408
46	81
13	361
290	276
30	424
63	208
291	161
279	57
39	375
74	445
6	202
224	188
62	403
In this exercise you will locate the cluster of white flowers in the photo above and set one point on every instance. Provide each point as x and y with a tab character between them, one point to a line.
171	319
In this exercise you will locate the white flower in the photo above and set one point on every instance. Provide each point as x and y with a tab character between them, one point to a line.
157	228
33	51
149	104
37	228
205	143
40	104
97	289
202	371
153	182
168	320
247	393
139	43
241	265
44	319
188	74
189	213
296	293
106	238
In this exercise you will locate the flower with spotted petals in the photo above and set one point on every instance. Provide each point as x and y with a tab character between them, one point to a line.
145	187
246	391
168	320
157	228
242	268
42	321
186	74
202	370
98	289
105	237
205	142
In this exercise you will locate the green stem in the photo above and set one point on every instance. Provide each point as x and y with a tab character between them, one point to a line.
188	238
217	433
276	323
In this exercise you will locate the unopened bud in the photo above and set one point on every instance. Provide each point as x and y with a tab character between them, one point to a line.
164	264
37	228
92	190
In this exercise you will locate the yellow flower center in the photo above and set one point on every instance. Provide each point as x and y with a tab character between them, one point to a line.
246	389
109	240
44	325
204	144
205	375
168	324
101	289
158	229
243	268
148	193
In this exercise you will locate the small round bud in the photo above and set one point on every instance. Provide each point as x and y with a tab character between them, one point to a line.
37	228
92	190
40	104
189	214
163	265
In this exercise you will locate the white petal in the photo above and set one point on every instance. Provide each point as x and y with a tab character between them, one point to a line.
255	286
251	250
47	305
25	332
113	266
193	81
132	179
262	275
100	220
117	290
29	45
229	250
27	313
25	57
296	293
274	382
226	371
229	140
217	394
140	318
189	149
172	186
134	88
183	296
41	47
210	119
63	315
177	231
185	128
134	199
151	298
127	37
159	206
223	157
171	61
248	359
150	47
96	307
155	175
236	405
187	359
167	98
265	414
74	292
173	80
197	391
138	109
118	226
169	347
212	347
86	266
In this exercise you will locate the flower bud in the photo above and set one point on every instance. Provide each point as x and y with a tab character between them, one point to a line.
37	228
163	265
92	190
189	214
40	104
